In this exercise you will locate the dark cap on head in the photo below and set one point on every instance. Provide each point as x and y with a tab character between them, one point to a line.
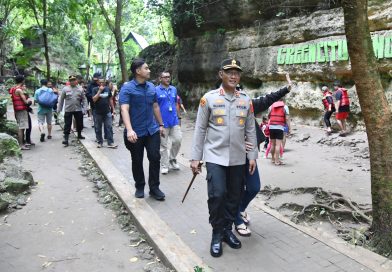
230	64
96	75
71	78
337	83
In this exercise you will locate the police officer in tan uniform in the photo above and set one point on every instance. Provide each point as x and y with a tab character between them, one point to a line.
224	120
72	97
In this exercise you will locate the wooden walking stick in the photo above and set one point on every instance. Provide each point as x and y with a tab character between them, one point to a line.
190	184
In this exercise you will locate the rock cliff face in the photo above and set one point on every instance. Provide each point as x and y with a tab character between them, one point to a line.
270	38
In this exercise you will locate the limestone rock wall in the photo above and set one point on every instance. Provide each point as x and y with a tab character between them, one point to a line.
254	31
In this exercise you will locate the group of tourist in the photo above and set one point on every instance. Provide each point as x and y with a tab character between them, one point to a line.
226	136
341	106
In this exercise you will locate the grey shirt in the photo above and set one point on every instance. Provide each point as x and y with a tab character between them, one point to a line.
73	97
222	125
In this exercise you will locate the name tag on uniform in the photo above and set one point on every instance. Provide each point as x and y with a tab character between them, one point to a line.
219	112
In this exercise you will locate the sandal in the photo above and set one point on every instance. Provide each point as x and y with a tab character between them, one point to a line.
279	163
243	230
245	217
24	147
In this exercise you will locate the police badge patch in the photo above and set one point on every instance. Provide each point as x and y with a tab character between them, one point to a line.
203	101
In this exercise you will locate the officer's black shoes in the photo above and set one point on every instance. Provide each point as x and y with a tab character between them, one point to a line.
231	239
139	193
216	245
65	141
80	137
157	194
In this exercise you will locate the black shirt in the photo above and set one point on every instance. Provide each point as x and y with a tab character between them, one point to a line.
102	106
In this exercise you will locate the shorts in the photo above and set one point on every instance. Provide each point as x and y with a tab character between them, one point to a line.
42	117
341	115
276	134
22	119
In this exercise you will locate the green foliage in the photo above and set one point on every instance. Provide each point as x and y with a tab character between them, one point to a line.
68	36
198	269
221	31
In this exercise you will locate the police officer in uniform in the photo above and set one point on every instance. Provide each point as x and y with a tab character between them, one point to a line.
73	97
224	120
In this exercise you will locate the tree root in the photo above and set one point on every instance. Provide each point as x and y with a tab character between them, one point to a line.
333	207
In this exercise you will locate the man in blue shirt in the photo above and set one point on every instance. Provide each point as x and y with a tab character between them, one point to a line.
143	127
167	99
44	113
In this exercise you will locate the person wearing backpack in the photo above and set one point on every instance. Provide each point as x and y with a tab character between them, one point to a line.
46	99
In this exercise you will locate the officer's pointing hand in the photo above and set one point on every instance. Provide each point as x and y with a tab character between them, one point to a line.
252	166
196	167
131	136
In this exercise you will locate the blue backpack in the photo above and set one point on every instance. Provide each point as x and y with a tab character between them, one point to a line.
47	98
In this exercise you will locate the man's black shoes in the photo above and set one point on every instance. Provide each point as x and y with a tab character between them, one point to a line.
231	239
139	193
42	138
80	137
216	245
157	194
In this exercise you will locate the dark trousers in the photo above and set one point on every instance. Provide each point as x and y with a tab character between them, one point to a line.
225	187
152	144
28	131
78	115
106	121
327	116
252	188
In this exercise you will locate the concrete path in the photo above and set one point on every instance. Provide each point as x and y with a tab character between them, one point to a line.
273	246
63	227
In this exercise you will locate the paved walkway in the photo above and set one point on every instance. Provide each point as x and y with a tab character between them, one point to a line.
63	227
273	246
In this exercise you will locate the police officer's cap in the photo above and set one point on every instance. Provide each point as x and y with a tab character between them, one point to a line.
231	64
71	78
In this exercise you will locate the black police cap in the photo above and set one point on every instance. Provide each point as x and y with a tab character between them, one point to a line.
231	64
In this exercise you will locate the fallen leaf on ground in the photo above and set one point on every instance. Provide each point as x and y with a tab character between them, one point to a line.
193	231
134	259
42	256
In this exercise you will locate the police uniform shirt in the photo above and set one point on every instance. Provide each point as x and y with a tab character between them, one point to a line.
73	97
223	122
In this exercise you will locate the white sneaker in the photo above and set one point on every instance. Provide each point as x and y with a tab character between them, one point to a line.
164	170
174	165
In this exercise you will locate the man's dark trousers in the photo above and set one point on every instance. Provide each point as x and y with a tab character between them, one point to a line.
225	188
152	144
68	121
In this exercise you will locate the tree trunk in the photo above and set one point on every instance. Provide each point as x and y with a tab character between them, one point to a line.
377	116
116	29
121	56
89	33
119	41
45	37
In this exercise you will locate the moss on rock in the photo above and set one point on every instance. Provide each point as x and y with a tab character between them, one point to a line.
8	146
9	127
15	185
